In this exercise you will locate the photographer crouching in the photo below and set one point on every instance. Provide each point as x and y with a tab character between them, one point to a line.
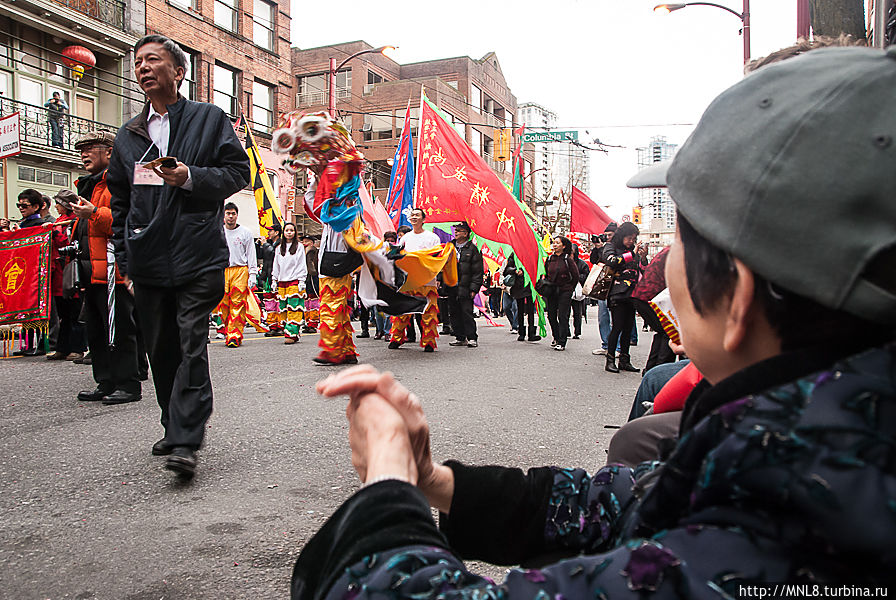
116	365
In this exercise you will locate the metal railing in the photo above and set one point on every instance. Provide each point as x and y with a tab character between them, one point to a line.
38	129
312	98
107	11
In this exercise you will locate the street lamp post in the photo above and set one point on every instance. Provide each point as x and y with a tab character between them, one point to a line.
331	83
744	17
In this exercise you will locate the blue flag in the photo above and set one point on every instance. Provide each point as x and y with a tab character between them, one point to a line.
401	183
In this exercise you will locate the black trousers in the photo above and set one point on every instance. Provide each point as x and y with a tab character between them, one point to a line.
174	321
622	314
578	311
558	306
72	337
117	369
525	307
463	325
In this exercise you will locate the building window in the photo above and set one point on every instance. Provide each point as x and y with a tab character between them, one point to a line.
399	119
184	4
312	89
372	80
477	141
226	14
475	98
188	85
377	127
225	96
263	24
262	106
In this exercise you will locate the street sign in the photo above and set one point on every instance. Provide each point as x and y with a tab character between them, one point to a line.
550	136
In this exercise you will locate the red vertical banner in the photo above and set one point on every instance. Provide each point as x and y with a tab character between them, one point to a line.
455	184
25	276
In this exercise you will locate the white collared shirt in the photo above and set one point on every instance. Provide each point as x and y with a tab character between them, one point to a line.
159	129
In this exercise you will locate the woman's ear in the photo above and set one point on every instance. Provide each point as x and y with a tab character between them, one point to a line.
741	308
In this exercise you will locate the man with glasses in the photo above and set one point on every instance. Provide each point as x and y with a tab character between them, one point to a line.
169	236
29	204
116	371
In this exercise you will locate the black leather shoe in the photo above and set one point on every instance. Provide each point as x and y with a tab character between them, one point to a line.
625	364
92	396
273	333
121	397
429	348
162	448
394	345
363	334
182	461
34	352
611	365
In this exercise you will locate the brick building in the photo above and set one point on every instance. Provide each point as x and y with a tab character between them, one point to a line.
239	59
34	36
373	91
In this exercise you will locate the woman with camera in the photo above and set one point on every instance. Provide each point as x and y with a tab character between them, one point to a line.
625	256
562	275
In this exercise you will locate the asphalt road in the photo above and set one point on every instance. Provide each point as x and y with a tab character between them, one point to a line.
88	513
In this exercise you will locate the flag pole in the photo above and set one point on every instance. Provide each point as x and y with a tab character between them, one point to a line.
5	193
417	168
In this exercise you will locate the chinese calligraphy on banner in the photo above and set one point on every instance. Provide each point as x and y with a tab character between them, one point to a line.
25	276
455	184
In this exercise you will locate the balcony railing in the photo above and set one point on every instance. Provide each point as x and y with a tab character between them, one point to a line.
312	98
37	129
111	12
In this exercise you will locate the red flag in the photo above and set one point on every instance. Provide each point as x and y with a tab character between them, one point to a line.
455	184
585	215
375	216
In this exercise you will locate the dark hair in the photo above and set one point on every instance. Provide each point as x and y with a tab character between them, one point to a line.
420	209
623	231
799	321
33	197
463	225
391	235
177	54
404	229
567	245
231	206
45	201
294	244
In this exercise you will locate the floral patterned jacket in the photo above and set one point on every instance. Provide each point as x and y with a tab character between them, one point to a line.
793	482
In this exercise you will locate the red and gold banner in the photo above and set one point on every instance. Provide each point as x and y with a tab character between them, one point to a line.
455	184
25	276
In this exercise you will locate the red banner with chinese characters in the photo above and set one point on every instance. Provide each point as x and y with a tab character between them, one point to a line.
25	276
455	184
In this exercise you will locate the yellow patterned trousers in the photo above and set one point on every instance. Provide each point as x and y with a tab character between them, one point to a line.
429	330
231	311
336	333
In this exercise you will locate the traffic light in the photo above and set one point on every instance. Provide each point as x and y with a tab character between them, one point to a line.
636	215
502	144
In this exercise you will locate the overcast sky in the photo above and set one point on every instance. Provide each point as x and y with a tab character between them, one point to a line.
613	67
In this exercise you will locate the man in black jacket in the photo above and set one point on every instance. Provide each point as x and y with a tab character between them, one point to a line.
169	239
469	282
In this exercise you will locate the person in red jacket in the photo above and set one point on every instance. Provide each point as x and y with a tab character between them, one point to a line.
116	367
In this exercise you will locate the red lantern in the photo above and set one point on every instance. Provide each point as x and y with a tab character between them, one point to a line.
78	59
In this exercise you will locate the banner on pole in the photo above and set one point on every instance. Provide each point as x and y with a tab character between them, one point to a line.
25	276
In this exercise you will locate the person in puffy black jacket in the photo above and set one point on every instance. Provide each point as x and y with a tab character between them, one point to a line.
169	236
525	305
560	270
625	256
469	281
